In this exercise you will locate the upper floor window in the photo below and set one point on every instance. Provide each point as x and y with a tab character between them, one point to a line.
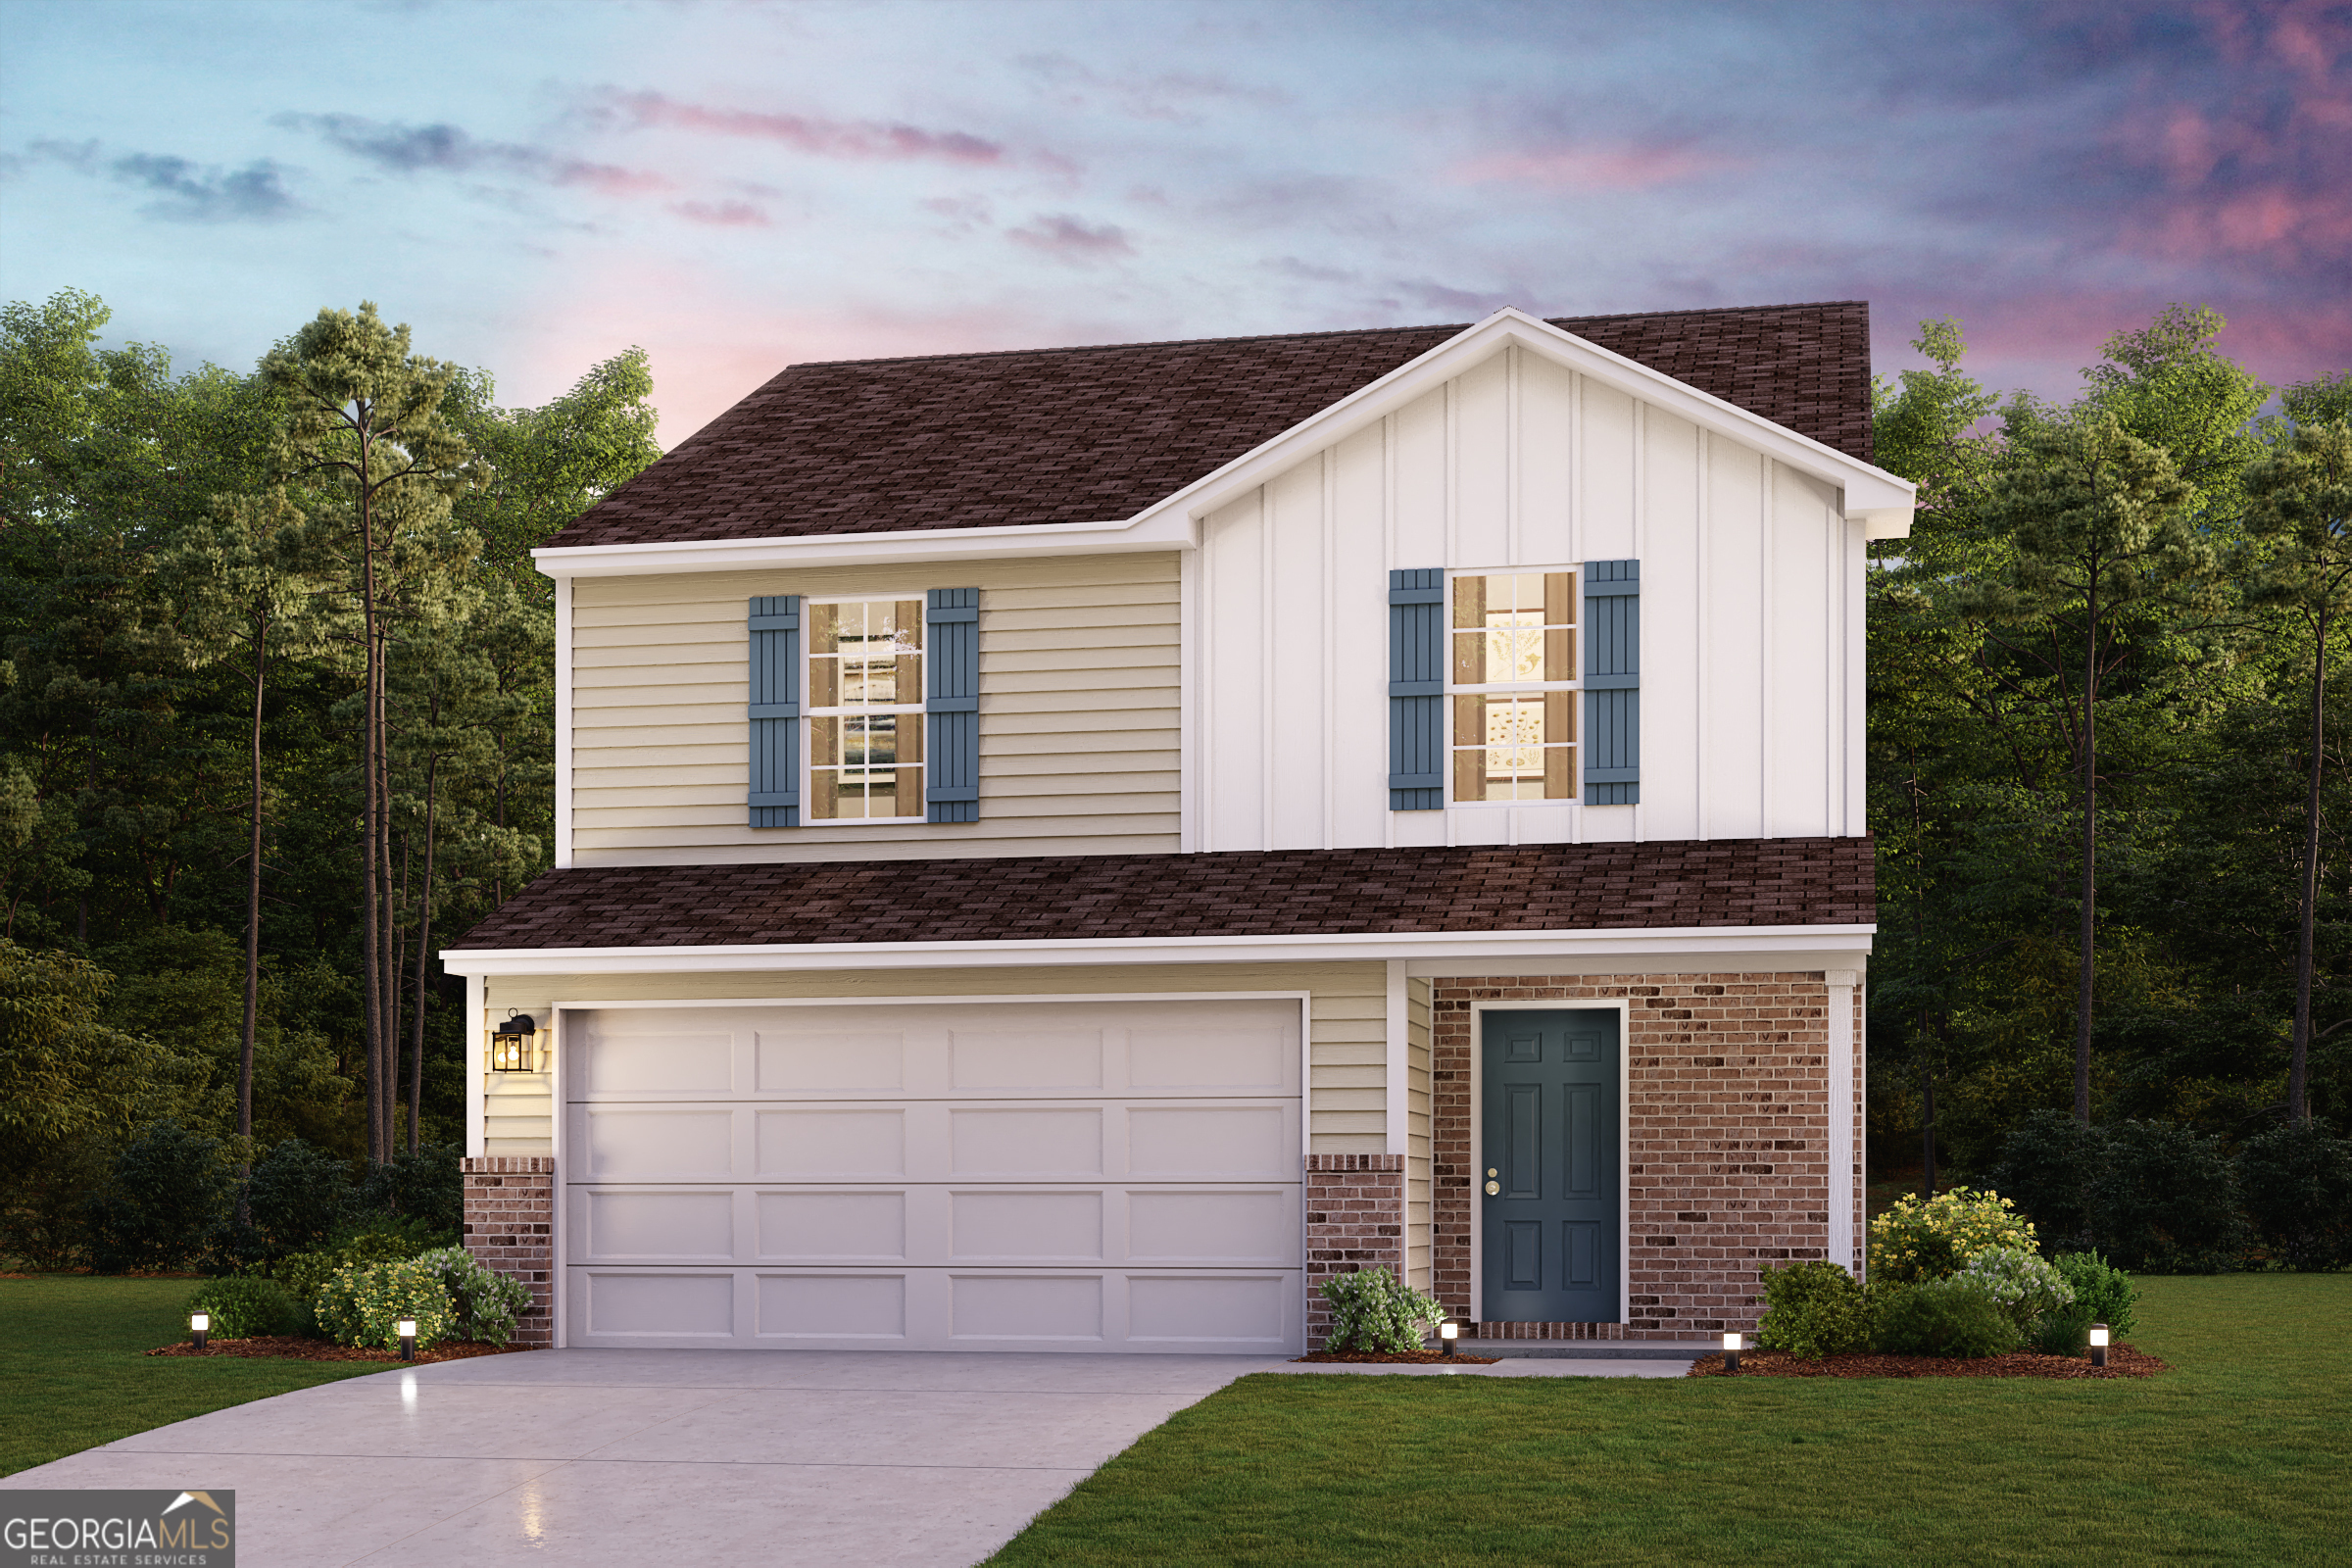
865	710
1512	684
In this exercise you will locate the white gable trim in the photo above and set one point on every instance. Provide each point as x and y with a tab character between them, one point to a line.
1879	500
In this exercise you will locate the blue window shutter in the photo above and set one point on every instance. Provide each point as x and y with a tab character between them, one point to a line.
775	711
952	705
1612	682
1417	691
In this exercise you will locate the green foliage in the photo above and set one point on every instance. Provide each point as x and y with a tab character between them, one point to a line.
297	1196
1372	1310
2166	1200
2296	1182
424	1188
1949	1317
2104	1292
362	1304
2048	1165
161	1202
380	1239
2023	1284
488	1305
2065	1331
1813	1309
243	1305
1934	1237
65	1073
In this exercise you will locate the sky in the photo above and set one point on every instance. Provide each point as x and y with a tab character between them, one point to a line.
738	186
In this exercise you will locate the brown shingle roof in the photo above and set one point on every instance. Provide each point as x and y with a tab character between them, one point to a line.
1097	434
1723	882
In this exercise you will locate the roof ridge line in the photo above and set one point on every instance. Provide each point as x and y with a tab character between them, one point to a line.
1281	337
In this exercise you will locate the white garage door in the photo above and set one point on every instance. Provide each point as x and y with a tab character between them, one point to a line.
1011	1176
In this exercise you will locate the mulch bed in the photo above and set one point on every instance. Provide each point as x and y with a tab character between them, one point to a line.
1407	1357
282	1347
2123	1361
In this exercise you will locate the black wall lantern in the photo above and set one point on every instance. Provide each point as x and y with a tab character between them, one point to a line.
514	1046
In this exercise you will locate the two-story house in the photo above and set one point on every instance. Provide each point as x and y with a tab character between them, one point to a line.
1068	850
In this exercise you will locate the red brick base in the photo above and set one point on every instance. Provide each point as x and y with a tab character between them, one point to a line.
1727	1164
510	1227
1354	1221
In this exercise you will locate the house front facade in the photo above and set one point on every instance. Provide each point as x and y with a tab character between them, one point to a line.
1069	850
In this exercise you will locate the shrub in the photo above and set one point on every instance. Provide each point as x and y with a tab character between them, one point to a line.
165	1196
296	1198
2022	1282
2297	1184
244	1306
1813	1309
488	1305
2167	1200
1373	1311
424	1189
1951	1317
2048	1167
364	1304
1934	1237
2065	1332
2104	1292
383	1242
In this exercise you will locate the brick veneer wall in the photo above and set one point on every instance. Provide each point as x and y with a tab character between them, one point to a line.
1354	1221
1727	1158
510	1227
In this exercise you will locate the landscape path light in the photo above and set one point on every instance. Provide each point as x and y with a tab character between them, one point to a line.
200	1324
1731	1350
1449	1332
515	1044
2098	1344
407	1339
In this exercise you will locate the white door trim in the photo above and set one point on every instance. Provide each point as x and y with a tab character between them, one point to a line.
1478	1121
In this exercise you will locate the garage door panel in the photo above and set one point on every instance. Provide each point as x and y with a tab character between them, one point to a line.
1211	1314
617	1223
800	1061
1026	1144
1262	1061
1026	1060
823	1227
1028	1308
666	1064
1168	1225
870	1307
1212	1142
663	1143
1027	1227
659	1306
855	1143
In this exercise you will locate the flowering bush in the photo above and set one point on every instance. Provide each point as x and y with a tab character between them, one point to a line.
364	1304
486	1303
2025	1286
1373	1311
1933	1239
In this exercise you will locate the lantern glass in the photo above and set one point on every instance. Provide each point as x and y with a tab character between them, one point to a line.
1730	1339
506	1053
200	1322
511	1046
1449	1331
2098	1335
408	1328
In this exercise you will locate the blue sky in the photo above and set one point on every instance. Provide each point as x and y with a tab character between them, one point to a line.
738	186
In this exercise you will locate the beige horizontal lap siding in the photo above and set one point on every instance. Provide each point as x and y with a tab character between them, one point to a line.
1078	714
1347	1011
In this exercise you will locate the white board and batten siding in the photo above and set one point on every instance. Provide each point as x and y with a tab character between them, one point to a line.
1014	1175
1079	734
1751	617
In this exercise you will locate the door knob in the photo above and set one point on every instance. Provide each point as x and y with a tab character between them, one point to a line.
1491	1171
1492	1188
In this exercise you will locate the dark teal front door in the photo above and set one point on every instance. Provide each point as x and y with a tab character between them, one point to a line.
1547	1185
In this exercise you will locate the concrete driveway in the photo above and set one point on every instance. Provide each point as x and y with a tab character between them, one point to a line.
597	1457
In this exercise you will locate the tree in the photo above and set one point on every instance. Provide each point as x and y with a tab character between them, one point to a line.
2096	519
365	424
2300	505
249	590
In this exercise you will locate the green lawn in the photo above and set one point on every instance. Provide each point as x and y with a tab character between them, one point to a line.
2243	1453
75	1375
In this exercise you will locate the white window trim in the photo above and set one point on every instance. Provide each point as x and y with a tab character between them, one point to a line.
809	715
1575	688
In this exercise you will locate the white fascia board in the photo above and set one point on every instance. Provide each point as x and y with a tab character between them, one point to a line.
909	546
1505	946
1882	501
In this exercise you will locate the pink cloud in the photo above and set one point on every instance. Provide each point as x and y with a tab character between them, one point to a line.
1596	167
1066	238
722	214
824	138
